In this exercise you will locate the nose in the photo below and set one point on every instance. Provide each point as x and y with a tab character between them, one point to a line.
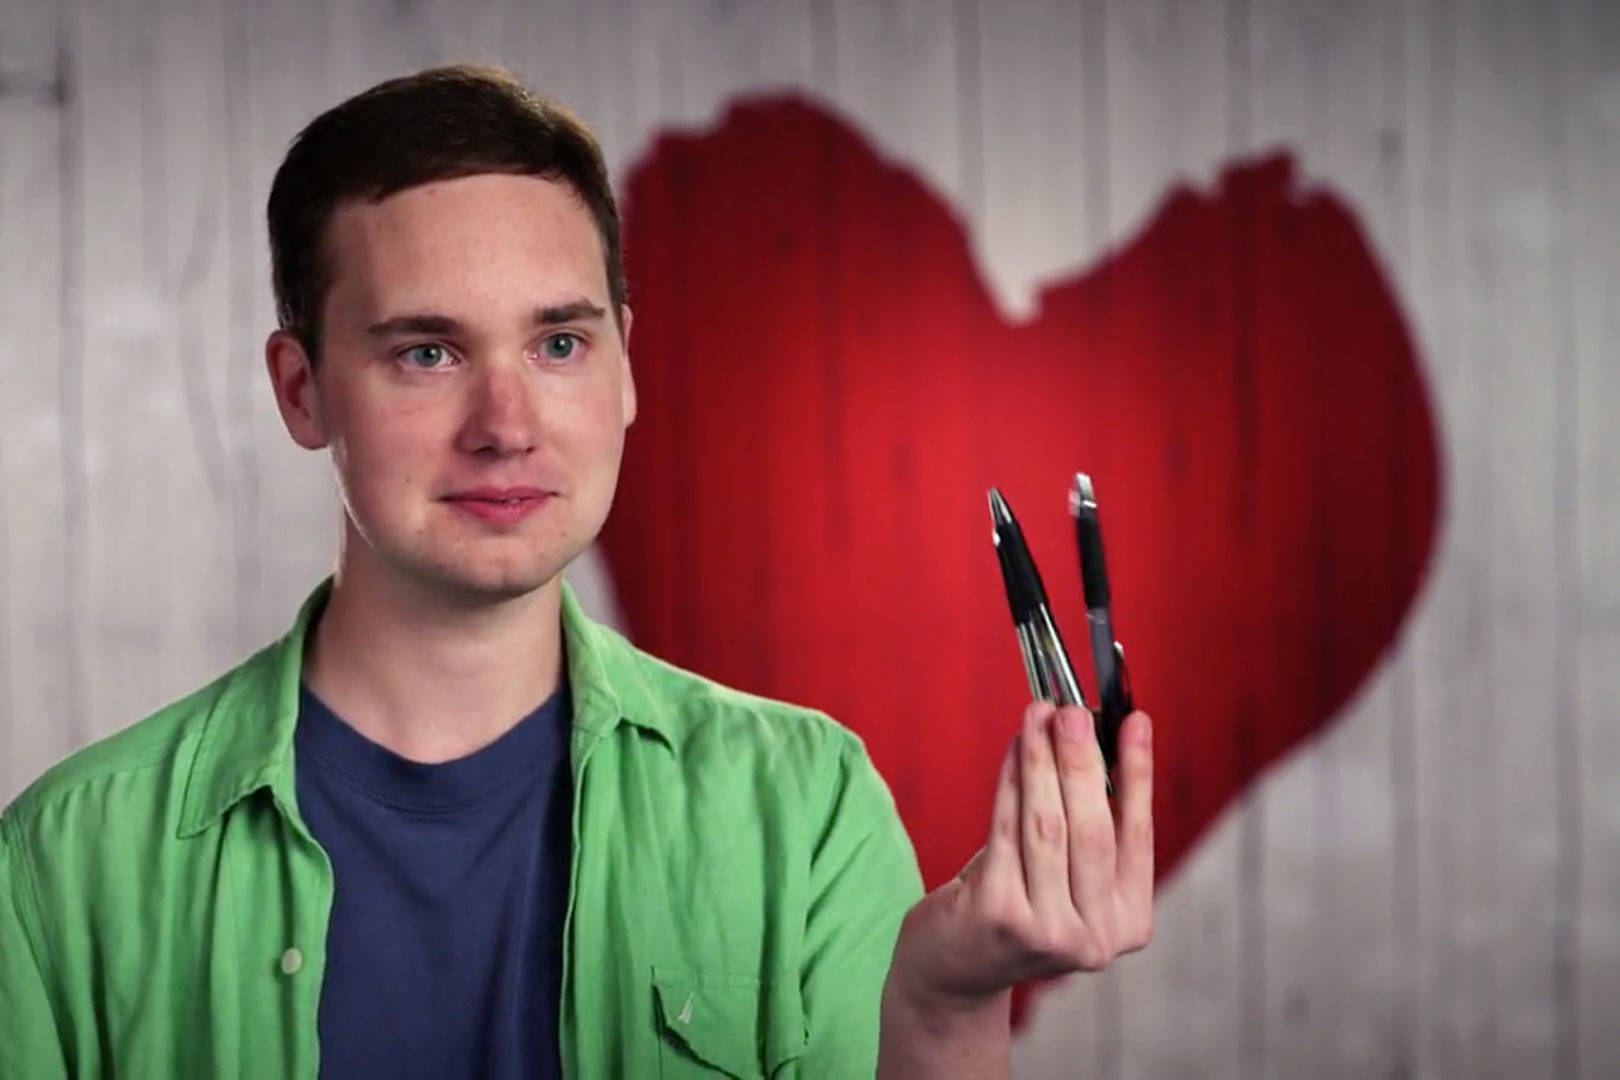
503	412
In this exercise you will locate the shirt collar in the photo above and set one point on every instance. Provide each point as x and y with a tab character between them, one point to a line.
608	678
246	740
247	734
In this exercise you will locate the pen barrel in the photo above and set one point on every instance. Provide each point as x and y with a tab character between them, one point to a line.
1113	691
1060	672
1093	566
1025	592
1102	649
1034	671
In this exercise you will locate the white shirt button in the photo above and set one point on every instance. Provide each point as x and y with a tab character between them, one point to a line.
291	961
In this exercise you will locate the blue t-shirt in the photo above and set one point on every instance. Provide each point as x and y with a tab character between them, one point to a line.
444	950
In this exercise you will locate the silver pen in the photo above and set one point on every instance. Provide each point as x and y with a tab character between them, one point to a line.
1046	663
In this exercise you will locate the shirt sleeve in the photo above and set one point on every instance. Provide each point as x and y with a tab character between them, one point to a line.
30	1047
863	880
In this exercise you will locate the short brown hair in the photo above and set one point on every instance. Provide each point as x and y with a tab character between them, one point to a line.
438	124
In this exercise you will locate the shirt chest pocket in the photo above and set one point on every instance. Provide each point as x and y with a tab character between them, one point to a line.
715	1024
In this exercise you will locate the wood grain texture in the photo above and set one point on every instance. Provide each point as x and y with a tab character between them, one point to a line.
1507	335
156	527
1176	87
1041	141
42	714
1589	514
1432	889
1150	120
281	66
897	67
1328	932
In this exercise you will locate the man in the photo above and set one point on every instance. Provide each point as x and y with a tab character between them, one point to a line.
447	825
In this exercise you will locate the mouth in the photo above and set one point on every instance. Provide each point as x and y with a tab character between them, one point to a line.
499	506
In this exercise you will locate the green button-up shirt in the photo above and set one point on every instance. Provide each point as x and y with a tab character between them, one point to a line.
738	879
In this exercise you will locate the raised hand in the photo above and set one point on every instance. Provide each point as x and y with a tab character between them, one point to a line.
1064	883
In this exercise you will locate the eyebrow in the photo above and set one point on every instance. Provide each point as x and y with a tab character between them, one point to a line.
553	315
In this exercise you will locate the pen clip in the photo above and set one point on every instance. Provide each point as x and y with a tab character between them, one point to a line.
1114	697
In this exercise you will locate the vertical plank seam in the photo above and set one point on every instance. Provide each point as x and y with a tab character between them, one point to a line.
1098	237
824	47
70	380
8	704
1437	1043
242	493
1404	897
184	268
1251	848
1094	114
1566	520
970	116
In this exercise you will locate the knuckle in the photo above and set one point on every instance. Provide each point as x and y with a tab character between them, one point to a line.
1094	840
1136	930
1005	924
1051	943
1091	954
1144	931
1033	752
1007	931
1049	827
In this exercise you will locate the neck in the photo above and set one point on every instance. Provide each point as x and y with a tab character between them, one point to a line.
429	677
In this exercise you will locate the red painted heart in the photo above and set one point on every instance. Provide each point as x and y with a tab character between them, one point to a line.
828	390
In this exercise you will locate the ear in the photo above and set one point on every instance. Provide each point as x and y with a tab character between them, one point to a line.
292	377
629	402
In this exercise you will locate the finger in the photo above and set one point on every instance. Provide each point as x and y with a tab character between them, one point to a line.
1043	827
1136	813
1090	820
1000	853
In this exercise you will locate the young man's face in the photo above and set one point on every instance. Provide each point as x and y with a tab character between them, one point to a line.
473	384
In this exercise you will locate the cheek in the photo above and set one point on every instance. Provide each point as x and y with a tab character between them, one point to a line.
386	445
604	428
591	424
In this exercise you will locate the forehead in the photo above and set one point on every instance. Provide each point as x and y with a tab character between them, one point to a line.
470	239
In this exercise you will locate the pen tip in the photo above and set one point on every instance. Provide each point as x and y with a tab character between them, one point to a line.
999	512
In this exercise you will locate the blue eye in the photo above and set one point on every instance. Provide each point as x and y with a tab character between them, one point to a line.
427	357
560	346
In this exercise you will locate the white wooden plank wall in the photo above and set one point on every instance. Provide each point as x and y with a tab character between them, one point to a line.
1432	889
1589	583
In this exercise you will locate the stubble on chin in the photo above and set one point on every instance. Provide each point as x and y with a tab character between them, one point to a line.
474	574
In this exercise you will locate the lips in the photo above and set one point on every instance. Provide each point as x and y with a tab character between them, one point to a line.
500	506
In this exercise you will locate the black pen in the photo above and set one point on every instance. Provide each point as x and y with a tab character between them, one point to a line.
1046	663
1108	658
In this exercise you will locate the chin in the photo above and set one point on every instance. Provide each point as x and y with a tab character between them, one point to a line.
487	570
479	585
